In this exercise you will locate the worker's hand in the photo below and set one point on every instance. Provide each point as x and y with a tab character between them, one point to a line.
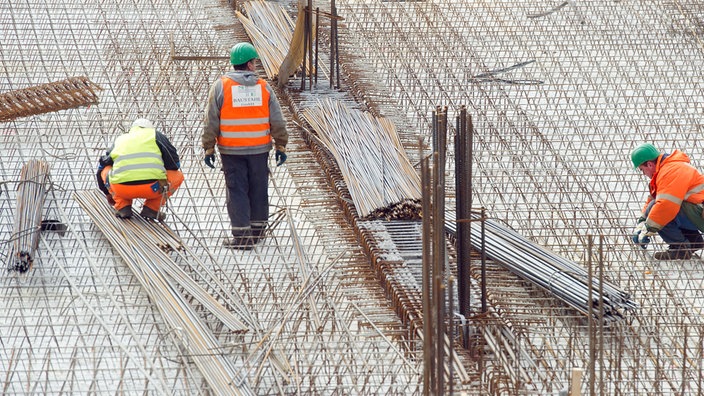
642	234
111	201
280	155
210	157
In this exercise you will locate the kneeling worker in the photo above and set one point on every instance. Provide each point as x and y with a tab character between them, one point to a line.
140	164
673	209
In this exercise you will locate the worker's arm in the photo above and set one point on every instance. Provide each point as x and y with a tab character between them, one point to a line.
168	152
101	184
211	130
672	186
277	122
105	160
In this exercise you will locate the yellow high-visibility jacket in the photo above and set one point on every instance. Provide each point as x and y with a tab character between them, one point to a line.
136	156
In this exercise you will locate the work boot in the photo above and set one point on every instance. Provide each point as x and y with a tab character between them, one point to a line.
258	234
124	213
696	241
240	243
679	251
151	214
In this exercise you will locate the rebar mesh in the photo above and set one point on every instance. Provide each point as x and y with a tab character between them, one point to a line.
558	94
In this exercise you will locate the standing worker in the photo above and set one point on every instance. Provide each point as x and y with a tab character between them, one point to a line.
673	209
140	164
242	116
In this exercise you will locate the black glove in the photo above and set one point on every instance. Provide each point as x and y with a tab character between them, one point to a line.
105	160
280	157
209	158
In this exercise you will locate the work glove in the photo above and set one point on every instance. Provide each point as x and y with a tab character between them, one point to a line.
111	201
641	235
280	155
209	158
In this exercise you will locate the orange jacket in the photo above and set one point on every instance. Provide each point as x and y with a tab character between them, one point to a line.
244	115
674	182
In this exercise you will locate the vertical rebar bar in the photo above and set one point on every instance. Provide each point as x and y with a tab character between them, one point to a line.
483	254
463	202
317	42
591	317
439	256
333	42
309	18
428	341
306	39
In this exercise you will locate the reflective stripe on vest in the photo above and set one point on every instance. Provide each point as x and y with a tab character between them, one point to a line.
244	116
136	156
694	190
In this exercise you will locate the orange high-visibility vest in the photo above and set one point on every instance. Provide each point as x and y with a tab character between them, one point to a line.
244	115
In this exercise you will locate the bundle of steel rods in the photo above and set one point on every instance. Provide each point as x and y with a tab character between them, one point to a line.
44	98
142	245
271	30
31	192
564	279
368	152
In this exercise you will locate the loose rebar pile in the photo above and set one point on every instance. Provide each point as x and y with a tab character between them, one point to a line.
271	30
145	249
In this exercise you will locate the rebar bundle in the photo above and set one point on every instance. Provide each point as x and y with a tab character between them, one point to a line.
271	30
369	154
45	98
563	278
31	193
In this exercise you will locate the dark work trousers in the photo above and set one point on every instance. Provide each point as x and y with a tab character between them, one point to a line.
247	198
676	231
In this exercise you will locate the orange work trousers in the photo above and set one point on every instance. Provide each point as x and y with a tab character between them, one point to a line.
123	194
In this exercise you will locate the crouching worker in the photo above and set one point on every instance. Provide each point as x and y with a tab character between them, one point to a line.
673	209
140	164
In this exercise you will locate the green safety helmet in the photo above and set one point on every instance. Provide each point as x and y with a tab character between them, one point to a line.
242	53
644	153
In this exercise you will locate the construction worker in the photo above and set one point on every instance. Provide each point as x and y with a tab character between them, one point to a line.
242	116
140	164
673	209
